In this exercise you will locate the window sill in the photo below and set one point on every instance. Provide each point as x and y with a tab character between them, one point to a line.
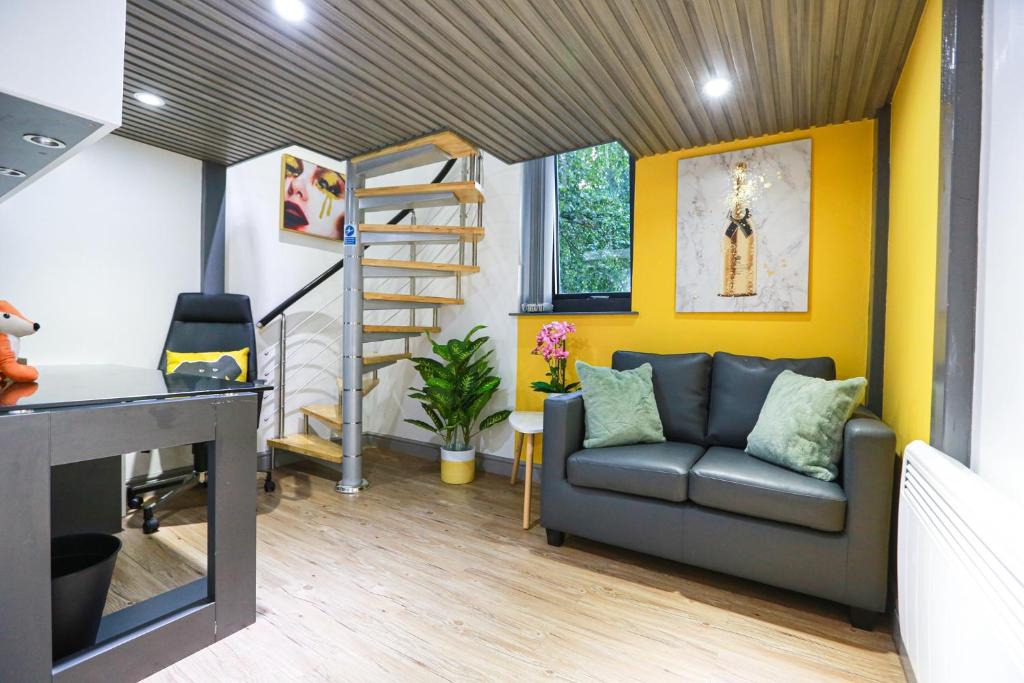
558	314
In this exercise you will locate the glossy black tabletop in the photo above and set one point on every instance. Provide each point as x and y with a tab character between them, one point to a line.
63	386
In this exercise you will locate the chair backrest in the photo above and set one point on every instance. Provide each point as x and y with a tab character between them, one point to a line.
211	322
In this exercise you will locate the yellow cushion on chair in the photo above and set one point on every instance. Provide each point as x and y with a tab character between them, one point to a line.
229	365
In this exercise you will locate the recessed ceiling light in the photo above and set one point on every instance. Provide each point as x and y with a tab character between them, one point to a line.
717	87
150	99
292	10
11	172
43	141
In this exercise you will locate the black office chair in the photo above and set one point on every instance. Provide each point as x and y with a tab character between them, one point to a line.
200	323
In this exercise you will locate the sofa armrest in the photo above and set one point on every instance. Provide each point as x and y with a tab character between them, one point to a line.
563	433
869	453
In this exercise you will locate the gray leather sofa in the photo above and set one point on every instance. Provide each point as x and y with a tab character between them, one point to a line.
699	498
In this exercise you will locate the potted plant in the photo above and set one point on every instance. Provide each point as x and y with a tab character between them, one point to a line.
551	345
456	390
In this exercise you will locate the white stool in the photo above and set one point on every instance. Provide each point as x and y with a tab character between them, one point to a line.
526	423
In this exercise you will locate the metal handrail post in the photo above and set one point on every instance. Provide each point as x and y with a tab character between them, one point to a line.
279	391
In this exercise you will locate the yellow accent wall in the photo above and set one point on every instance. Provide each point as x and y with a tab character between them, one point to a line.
913	234
842	178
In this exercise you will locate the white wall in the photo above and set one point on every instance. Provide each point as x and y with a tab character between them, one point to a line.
268	265
999	373
103	245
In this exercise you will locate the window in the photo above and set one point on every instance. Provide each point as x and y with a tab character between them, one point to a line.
594	229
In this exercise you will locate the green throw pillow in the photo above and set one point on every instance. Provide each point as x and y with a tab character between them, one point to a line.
619	406
801	423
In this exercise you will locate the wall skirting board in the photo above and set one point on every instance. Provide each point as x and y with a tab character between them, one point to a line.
901	649
486	462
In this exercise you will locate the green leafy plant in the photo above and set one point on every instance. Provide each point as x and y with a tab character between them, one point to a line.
456	390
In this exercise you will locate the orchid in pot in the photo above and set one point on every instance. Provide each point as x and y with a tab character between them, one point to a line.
551	346
455	391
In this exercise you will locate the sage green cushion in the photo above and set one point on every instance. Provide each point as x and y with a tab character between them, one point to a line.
619	406
801	423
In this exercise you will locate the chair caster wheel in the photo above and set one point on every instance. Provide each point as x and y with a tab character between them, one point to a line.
269	485
150	525
135	502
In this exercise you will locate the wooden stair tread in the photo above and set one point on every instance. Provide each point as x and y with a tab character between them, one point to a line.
377	359
467	192
421	265
309	445
401	328
327	413
447	141
470	234
384	296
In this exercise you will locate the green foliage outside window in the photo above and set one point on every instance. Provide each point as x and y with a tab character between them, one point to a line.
593	220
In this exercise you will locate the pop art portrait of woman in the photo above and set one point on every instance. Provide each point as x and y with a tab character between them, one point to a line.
312	198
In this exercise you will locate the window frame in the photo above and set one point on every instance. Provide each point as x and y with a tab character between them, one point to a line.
595	302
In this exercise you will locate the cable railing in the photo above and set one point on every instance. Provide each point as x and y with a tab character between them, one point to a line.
281	349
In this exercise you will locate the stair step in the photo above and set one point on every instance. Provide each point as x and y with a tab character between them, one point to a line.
372	333
309	445
375	267
380	301
382	233
381	358
419	152
378	361
422	196
326	413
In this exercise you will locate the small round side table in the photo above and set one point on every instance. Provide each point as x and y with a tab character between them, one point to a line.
525	423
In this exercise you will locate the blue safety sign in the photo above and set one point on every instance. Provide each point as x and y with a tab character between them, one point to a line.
350	234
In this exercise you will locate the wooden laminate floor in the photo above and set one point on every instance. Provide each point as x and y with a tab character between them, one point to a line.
414	580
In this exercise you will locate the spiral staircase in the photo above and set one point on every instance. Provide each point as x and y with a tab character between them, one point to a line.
360	367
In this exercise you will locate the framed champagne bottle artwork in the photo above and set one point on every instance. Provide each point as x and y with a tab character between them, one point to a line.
743	230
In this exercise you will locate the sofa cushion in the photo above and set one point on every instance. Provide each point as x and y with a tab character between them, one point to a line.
739	386
729	479
619	407
680	389
653	470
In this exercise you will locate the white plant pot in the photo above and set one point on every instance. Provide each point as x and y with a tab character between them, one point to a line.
458	467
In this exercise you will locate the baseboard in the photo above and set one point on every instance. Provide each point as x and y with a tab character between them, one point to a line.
901	648
487	462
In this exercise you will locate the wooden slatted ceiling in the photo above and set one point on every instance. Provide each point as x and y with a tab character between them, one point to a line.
520	78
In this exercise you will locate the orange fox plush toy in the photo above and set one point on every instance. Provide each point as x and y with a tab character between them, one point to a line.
13	325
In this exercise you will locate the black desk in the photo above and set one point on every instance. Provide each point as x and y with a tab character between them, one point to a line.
84	413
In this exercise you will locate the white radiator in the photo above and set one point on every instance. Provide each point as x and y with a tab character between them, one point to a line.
961	573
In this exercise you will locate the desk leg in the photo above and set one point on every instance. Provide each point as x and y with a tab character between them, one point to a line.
232	541
25	651
528	488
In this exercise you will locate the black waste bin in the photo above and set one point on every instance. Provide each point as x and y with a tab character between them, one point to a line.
81	566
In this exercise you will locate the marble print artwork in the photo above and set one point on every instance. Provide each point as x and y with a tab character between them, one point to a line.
769	186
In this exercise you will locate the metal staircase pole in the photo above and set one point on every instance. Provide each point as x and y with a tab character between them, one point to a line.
352	341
